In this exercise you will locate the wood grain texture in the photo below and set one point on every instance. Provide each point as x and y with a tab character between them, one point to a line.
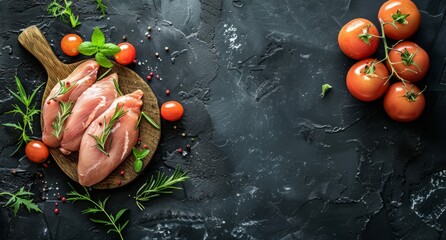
34	41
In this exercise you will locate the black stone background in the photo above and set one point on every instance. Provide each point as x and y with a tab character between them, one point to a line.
270	159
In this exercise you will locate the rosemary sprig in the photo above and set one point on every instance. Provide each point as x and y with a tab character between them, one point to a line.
101	7
149	119
111	220
102	139
20	198
64	88
27	112
118	89
63	11
162	184
65	111
139	156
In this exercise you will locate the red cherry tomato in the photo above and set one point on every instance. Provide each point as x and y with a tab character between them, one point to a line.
70	43
357	39
367	80
36	151
409	60
404	14
172	111
404	103
127	54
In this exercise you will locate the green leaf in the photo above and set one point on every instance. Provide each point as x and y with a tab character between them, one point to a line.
325	88
138	165
109	49
150	120
13	125
103	61
87	48
119	214
98	38
91	210
99	221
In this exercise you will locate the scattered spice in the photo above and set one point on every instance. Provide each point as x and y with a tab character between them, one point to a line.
188	147
149	28
151	74
122	173
56	204
180	150
149	78
124	38
157	54
118	182
145	146
149	36
158	76
14	172
56	210
64	199
166	49
167	92
45	165
183	134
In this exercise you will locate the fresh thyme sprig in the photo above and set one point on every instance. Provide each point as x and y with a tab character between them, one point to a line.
58	10
102	139
27	112
101	7
149	119
162	184
20	198
62	116
139	156
64	88
111	220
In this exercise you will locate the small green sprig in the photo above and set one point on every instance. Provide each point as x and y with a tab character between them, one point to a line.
325	88
27	112
111	220
20	198
102	139
139	156
162	184
101	7
63	12
118	89
99	48
149	119
62	116
64	88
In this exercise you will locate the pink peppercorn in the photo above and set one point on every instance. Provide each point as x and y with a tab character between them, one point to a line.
122	173
167	91
56	211
149	78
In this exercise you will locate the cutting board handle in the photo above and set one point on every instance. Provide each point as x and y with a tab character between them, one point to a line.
33	40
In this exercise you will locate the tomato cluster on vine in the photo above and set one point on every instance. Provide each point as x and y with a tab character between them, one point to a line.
370	78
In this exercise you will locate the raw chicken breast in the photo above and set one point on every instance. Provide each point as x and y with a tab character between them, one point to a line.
92	103
80	79
94	165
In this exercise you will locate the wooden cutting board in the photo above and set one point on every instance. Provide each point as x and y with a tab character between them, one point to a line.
34	41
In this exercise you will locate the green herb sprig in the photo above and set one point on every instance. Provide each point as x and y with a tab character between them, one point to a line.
63	12
111	220
148	118
162	184
27	112
102	139
101	7
325	88
118	89
20	198
139	156
64	88
99	48
62	116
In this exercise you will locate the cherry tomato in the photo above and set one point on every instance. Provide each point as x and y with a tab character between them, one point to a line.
405	16
36	151
357	39
127	54
70	43
404	103
409	60
172	111
367	80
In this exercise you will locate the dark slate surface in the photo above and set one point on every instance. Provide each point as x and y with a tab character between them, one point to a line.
270	159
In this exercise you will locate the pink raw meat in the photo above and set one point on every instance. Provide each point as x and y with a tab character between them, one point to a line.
81	78
92	103
94	166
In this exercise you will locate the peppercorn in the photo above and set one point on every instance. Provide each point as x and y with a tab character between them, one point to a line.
157	54
122	173
64	199
167	92
56	211
180	150
166	49
149	78
188	147
124	38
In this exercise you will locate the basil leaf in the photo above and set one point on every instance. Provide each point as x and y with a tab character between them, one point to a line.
98	38
103	61
87	48
138	165
109	49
